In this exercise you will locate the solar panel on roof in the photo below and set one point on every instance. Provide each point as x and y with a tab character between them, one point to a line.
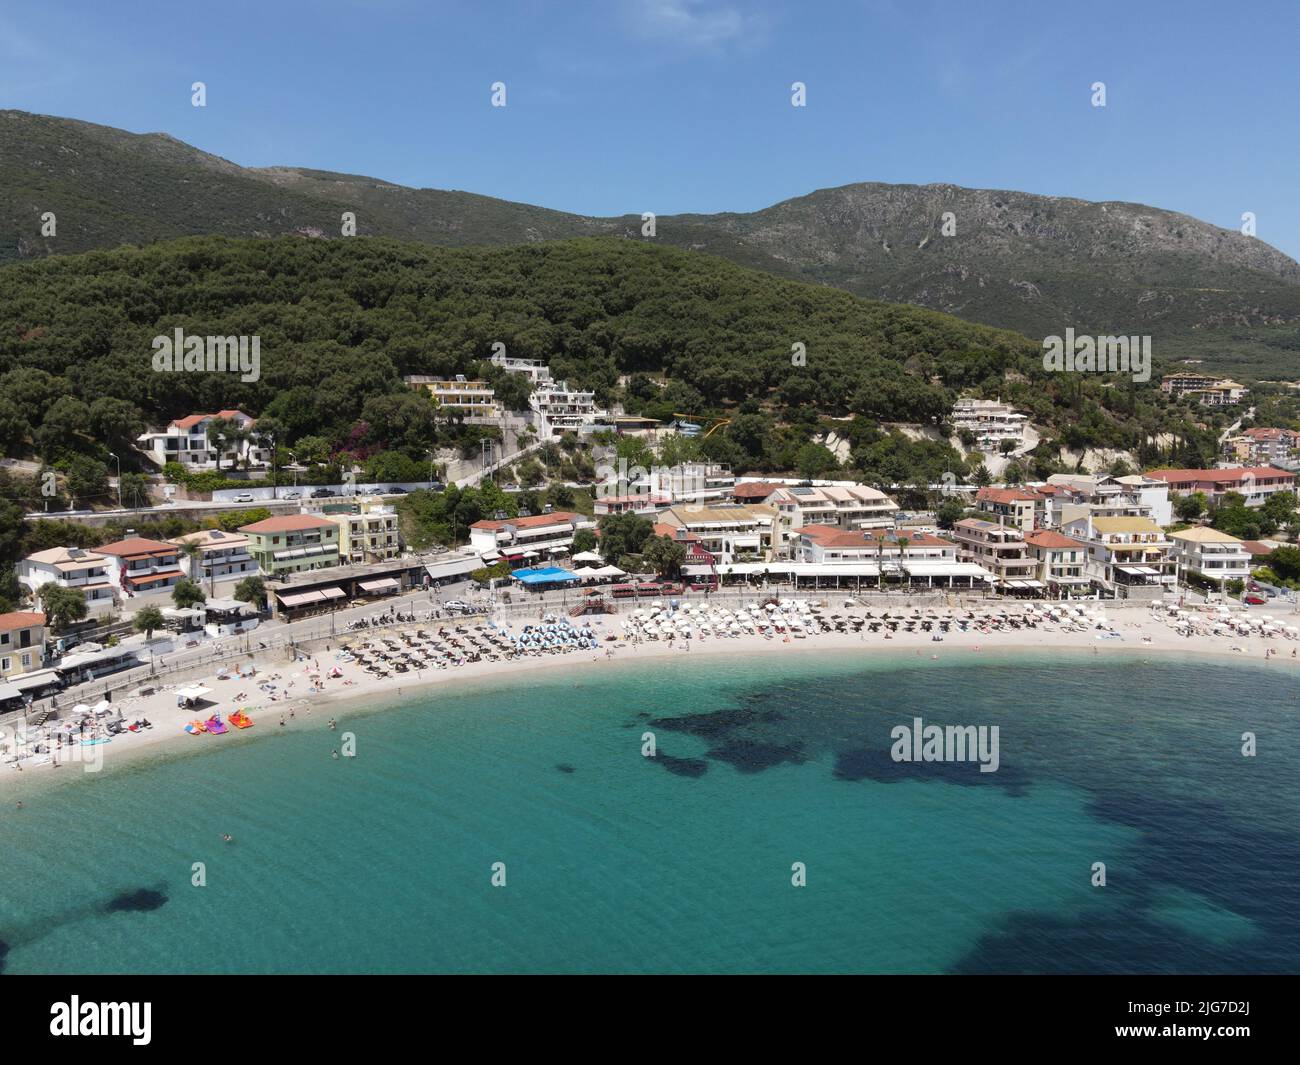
801	491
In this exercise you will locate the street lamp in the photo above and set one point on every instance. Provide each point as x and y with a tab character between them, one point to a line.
119	478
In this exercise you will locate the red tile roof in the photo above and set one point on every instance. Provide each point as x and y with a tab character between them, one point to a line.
671	531
20	619
536	521
137	547
1007	495
754	490
1231	476
191	420
287	523
1255	547
833	536
1047	538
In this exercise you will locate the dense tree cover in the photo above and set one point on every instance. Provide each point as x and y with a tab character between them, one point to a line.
431	518
623	534
1232	516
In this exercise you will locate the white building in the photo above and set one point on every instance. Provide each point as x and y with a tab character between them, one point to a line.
858	507
71	567
1216	555
1131	496
527	540
992	421
727	530
471	399
1131	557
221	554
536	370
561	409
186	441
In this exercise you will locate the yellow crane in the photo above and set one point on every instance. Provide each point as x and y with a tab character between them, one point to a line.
714	423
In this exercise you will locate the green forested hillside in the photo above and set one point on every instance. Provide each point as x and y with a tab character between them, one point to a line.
342	321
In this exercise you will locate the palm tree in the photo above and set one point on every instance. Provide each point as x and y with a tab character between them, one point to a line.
903	541
193	554
218	433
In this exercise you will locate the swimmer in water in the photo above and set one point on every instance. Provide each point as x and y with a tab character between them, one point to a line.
227	837
335	754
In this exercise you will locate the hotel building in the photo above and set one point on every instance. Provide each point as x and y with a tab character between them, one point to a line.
858	507
137	565
1061	561
472	399
1000	549
727	530
526	540
1213	554
367	534
292	542
992	421
70	567
185	440
1131	557
1255	483
221	554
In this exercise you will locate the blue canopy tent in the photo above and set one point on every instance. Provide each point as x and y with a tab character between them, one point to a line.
539	578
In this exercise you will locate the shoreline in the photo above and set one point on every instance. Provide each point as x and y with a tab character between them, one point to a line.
294	705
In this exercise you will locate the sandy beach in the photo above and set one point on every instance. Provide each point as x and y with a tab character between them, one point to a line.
322	684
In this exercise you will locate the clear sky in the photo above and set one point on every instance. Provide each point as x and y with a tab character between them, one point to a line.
684	105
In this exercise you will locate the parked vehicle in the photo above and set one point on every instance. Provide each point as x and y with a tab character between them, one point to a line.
322	493
292	494
395	491
244	497
1255	599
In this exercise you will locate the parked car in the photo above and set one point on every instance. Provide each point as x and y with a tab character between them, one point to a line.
457	606
437	486
1255	599
395	491
322	493
244	497
292	494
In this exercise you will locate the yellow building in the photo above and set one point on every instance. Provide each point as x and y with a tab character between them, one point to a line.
22	642
368	535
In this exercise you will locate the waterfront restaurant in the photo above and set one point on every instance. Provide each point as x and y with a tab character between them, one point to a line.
324	591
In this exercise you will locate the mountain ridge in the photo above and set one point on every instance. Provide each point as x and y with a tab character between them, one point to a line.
1022	261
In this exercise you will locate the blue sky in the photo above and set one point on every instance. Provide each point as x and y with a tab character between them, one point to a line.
684	105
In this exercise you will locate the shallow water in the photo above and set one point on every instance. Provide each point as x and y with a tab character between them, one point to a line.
615	862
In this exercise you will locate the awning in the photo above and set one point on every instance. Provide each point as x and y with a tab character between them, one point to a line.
1139	571
38	678
587	556
333	593
155	578
9	691
194	691
301	599
375	587
1022	584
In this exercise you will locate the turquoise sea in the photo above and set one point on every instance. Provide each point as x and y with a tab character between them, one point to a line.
615	862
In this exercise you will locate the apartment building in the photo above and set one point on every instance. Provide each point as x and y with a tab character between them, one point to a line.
561	409
1254	483
221	554
1264	447
186	441
368	532
526	540
727	530
1211	553
1022	508
1062	563
858	507
138	565
640	503
471	399
1131	557
22	642
992	421
291	543
1105	496
1000	549
71	567
536	370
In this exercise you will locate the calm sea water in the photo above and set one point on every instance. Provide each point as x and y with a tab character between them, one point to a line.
619	863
